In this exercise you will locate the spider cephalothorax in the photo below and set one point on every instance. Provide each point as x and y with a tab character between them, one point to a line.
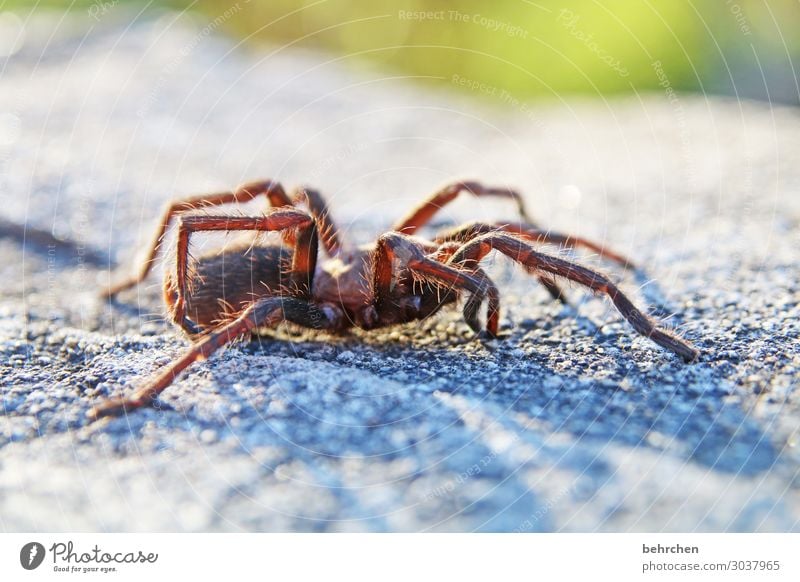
397	279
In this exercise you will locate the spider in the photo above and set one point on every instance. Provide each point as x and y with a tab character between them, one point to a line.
397	279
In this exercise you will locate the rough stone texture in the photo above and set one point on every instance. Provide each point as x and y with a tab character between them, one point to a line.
572	423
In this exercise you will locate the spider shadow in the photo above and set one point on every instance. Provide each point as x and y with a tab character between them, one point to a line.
671	408
674	411
142	311
59	252
682	410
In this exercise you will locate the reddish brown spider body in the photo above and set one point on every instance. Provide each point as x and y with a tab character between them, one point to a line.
398	279
222	283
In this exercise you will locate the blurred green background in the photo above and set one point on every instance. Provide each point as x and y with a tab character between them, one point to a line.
540	49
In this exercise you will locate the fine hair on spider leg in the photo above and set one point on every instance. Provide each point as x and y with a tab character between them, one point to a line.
265	312
523	252
272	190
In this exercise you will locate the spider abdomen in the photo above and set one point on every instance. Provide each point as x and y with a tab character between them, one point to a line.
222	284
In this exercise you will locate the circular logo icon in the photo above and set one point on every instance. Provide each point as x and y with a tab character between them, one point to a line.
31	555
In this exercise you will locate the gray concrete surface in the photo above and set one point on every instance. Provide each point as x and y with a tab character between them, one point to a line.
570	424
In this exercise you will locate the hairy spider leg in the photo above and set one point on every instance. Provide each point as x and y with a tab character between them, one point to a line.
409	253
524	253
423	213
272	190
266	312
529	232
318	207
304	256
